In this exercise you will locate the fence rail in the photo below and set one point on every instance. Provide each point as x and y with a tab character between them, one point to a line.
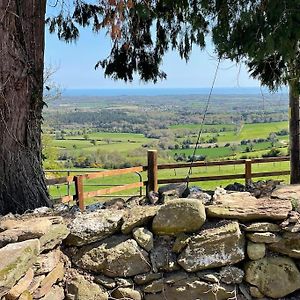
153	180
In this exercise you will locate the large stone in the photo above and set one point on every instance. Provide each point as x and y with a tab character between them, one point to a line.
18	230
34	285
144	238
47	262
214	248
162	257
107	282
231	275
172	191
26	295
55	293
255	292
147	278
275	277
126	293
181	241
15	261
116	256
262	227
81	289
56	275
287	192
34	228
289	245
54	236
21	286
183	286
263	237
180	215
244	207
92	227
138	216
256	251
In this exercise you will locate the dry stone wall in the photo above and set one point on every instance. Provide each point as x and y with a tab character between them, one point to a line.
230	246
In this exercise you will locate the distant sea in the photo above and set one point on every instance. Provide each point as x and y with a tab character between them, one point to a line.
165	91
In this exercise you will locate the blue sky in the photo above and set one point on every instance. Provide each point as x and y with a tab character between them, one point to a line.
75	63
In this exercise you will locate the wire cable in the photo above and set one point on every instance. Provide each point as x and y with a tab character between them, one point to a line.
202	122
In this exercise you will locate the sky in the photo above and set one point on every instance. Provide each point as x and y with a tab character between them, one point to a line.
75	67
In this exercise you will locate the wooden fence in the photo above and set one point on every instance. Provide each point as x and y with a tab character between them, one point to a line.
153	180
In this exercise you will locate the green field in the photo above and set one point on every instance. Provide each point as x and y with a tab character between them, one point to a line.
132	145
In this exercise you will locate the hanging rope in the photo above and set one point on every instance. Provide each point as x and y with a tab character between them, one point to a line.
202	123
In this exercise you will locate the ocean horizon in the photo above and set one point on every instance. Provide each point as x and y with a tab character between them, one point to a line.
166	91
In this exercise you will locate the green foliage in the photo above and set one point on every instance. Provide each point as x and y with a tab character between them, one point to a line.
264	34
274	152
142	32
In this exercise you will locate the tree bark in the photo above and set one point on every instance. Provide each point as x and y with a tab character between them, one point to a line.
294	130
22	181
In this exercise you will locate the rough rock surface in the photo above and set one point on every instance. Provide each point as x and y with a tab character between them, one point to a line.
144	238
82	289
179	215
231	275
172	191
116	256
47	262
263	237
21	286
232	206
289	245
138	216
46	284
287	192
89	228
275	277
197	193
181	286
213	248
256	251
162	257
126	293
147	278
54	236
14	230
19	257
262	227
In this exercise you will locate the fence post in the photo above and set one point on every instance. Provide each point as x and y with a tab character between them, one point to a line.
248	171
79	192
152	171
68	184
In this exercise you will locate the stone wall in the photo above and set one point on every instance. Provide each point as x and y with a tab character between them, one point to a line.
229	246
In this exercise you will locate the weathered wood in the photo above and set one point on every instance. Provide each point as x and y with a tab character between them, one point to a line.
60	180
79	192
113	172
113	190
65	199
267	174
270	159
248	167
219	163
201	164
152	171
206	178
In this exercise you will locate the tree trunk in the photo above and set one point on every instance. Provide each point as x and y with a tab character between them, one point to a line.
294	130
22	182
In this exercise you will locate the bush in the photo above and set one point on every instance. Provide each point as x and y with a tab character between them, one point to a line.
272	153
